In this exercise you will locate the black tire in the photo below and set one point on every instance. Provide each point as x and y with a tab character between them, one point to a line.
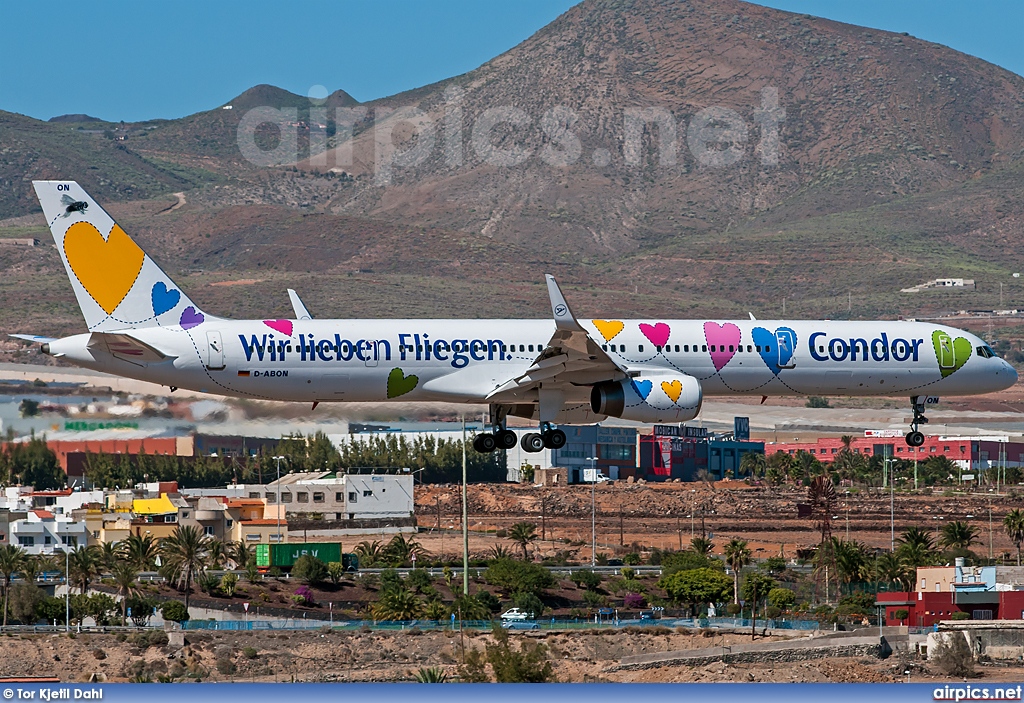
555	439
915	439
506	439
532	442
484	443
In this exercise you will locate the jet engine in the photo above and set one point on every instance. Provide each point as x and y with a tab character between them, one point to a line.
650	397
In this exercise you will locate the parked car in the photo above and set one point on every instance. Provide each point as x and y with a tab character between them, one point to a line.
520	625
514	614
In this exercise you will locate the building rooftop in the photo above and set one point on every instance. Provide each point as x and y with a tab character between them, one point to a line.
153	506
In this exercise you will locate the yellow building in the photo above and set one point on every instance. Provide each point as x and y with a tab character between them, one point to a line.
935	579
156	517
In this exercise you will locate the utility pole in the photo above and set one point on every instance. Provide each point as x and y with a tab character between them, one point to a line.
465	523
990	555
543	518
622	539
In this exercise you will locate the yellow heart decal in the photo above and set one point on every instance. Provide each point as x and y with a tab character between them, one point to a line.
608	328
672	390
106	269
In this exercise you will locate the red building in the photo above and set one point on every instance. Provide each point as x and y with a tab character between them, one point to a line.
924	609
971	452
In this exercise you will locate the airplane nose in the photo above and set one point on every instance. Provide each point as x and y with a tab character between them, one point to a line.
1012	372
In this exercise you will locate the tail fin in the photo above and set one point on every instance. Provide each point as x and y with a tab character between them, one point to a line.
117	285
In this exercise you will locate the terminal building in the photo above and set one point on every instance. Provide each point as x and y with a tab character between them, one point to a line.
690	453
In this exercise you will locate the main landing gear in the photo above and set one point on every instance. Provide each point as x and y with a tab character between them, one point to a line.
549	437
915	438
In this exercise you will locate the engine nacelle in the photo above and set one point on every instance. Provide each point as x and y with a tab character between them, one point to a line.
651	397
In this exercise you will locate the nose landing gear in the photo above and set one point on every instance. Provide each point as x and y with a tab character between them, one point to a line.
915	438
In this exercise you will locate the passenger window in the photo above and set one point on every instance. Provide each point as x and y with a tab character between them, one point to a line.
686	347
767	347
531	347
730	348
748	348
522	347
704	347
677	347
604	347
658	348
757	348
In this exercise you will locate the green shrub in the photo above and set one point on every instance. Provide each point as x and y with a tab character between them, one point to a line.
249	652
513	576
310	570
174	611
228	583
960	615
585	578
530	603
628	573
418	580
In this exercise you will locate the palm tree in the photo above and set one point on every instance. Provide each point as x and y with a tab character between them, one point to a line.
218	553
958	535
702	545
753	464
431	675
500	551
185	556
1013	523
889	567
125	575
369	552
736	556
241	554
400	550
110	553
397	604
523	534
850	560
12	559
141	551
916	536
84	564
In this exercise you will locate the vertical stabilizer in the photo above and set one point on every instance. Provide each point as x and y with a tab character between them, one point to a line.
117	285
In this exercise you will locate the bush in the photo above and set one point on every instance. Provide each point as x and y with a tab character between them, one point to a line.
685	561
310	570
901	614
631	559
953	657
634	601
99	654
593	599
527	665
303	596
513	576
960	615
249	652
733	609
781	598
530	603
24	602
228	583
174	611
226	666
489	600
585	578
816	401
418	580
335	572
628	573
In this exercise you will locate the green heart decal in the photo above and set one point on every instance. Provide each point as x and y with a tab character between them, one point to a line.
950	353
399	383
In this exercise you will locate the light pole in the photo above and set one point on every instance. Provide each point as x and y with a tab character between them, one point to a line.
278	459
889	468
693	509
593	512
67	589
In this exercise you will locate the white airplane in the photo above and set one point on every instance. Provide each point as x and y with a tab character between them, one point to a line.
561	370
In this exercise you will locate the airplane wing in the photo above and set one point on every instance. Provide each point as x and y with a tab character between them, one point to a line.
570	358
301	313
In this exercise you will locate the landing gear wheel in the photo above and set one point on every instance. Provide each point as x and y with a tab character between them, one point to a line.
484	443
532	442
555	439
915	438
505	439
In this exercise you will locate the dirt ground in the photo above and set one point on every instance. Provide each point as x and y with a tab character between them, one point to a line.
397	656
635	516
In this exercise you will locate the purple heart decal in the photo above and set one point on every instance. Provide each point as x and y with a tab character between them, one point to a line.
658	334
190	318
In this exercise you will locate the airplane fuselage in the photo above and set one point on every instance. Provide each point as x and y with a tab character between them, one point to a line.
466	360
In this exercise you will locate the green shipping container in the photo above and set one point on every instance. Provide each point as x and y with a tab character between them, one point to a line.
284	555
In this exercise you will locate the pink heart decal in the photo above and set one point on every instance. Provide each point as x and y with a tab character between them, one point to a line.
721	338
658	334
282	326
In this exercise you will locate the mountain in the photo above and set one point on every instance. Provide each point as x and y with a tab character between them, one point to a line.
78	117
870	116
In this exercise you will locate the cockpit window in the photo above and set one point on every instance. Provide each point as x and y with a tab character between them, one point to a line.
985	351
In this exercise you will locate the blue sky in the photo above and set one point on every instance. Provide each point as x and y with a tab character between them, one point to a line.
136	60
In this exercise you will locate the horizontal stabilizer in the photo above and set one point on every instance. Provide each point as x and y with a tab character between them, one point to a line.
34	338
127	348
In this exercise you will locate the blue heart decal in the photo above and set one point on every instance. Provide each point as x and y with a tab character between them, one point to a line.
642	388
163	299
776	347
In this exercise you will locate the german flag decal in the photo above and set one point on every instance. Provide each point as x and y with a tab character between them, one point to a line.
243	373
